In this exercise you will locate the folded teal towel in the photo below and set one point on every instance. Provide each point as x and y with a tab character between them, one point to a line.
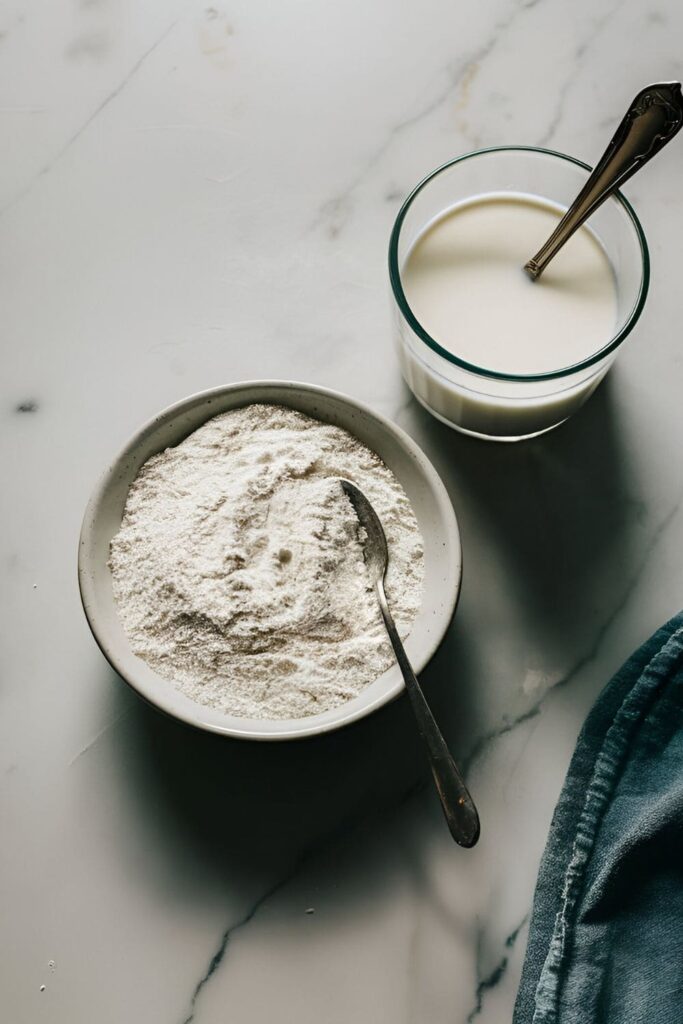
606	938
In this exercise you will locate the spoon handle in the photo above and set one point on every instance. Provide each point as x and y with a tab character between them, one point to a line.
651	121
458	806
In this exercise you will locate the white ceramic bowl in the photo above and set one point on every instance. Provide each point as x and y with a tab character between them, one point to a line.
419	479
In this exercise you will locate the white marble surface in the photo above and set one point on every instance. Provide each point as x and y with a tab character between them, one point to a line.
196	194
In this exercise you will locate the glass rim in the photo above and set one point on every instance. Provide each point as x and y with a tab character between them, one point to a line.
480	371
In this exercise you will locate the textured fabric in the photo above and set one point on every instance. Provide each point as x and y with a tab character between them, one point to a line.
606	938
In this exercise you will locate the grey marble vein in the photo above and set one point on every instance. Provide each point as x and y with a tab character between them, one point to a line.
217	958
109	98
107	728
587	657
337	208
507	726
488	981
348	824
584	47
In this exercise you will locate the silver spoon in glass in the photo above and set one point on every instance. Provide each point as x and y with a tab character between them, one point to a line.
458	806
651	121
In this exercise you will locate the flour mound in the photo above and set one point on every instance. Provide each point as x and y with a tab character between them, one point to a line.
238	570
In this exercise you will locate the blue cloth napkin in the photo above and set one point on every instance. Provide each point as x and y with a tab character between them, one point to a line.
606	937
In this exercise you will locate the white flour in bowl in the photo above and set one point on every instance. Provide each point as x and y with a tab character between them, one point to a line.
238	570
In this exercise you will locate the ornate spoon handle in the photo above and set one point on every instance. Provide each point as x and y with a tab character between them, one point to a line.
651	121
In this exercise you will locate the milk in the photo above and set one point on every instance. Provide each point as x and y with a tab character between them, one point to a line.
464	283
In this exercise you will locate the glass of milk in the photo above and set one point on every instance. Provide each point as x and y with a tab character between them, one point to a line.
482	347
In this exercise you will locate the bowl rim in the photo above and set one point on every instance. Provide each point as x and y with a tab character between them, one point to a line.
480	371
246	728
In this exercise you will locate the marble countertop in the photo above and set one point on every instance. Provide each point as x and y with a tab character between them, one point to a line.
193	195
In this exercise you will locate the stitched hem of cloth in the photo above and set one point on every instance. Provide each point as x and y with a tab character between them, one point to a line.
609	764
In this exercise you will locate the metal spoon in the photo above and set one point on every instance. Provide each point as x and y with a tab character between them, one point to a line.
458	806
651	121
